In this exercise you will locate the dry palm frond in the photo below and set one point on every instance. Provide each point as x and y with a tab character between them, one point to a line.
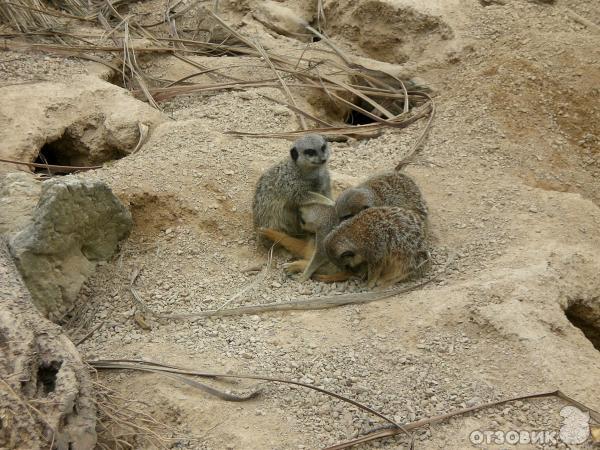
321	21
380	434
27	15
381	97
150	366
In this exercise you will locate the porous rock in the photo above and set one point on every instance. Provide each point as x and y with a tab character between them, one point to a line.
46	394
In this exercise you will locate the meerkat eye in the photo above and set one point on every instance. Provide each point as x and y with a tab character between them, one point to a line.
323	147
346	217
347	254
310	152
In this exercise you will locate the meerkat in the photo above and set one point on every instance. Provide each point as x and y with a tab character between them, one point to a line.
392	188
281	190
305	250
387	244
318	217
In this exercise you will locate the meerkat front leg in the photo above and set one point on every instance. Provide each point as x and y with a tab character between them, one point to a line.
317	260
395	272
373	274
297	266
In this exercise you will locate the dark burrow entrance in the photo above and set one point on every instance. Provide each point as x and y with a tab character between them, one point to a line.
393	104
60	152
69	151
46	376
358	118
587	319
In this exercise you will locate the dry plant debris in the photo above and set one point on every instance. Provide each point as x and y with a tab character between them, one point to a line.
395	429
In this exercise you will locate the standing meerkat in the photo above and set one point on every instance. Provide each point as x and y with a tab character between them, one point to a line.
392	188
281	190
388	244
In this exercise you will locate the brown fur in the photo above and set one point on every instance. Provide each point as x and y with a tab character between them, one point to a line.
304	249
386	189
387	244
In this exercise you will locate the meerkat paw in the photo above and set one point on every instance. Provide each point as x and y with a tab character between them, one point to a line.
295	267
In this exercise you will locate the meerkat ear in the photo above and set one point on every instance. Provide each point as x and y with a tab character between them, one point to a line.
294	153
313	198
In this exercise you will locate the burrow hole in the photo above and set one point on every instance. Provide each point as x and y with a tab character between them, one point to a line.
315	24
61	152
394	105
46	376
70	151
358	118
587	319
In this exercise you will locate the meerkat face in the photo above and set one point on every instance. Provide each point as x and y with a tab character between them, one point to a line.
352	201
310	151
351	260
344	253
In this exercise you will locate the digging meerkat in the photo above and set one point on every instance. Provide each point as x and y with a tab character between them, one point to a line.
284	187
388	244
392	188
318	217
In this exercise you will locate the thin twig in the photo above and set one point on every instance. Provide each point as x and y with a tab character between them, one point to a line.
286	89
50	166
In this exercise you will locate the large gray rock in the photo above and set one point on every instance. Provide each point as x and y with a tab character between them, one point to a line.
75	224
19	193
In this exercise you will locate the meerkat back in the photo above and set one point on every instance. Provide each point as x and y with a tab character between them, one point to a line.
395	188
387	244
386	189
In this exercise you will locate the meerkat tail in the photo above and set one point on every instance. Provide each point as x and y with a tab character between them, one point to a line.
339	276
298	247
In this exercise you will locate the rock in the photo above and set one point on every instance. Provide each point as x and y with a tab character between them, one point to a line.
19	193
282	19
87	121
40	368
474	401
75	224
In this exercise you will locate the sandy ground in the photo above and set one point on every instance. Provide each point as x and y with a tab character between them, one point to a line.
511	173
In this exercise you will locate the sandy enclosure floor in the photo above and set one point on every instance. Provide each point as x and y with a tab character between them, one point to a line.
511	173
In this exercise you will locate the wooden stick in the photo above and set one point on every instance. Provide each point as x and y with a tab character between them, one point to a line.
50	166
